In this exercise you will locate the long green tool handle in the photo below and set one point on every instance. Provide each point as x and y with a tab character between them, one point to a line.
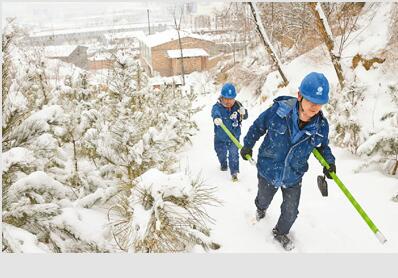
347	193
236	142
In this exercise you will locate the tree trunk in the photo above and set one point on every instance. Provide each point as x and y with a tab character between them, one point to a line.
394	171
266	41
149	25
233	48
178	27
326	34
245	14
139	78
43	88
182	59
74	154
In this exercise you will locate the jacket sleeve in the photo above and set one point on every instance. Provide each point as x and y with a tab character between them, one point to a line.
259	127
215	112
324	149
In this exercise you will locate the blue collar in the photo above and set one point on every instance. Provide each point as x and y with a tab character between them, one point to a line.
288	108
285	106
309	129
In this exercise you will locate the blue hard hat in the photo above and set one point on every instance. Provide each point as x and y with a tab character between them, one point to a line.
228	91
315	88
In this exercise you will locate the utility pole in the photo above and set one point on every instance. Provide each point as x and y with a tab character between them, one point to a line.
149	24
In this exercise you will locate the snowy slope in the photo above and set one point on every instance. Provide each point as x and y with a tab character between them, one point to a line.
324	224
328	224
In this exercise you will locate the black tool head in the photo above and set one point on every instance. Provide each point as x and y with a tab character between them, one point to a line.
322	185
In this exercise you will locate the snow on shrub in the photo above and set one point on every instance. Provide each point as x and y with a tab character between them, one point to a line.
165	213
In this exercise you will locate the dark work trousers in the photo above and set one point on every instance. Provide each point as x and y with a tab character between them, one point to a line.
289	207
227	151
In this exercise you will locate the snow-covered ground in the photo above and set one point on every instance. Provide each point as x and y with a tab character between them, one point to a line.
325	224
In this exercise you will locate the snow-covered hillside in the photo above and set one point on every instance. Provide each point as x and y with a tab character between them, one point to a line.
328	224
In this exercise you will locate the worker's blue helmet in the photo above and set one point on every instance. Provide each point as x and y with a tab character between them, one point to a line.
228	91
315	88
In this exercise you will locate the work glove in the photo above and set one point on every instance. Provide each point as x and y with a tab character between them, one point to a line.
233	116
242	111
217	121
246	151
326	172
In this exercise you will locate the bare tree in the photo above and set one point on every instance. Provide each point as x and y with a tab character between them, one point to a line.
177	26
265	39
237	27
343	18
392	47
289	28
327	36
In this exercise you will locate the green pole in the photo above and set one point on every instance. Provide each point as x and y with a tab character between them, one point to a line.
235	141
351	198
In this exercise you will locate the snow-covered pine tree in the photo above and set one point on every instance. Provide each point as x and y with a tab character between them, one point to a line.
164	213
34	201
118	135
72	97
146	130
81	119
35	73
127	75
25	128
139	76
117	131
140	129
382	146
343	114
30	196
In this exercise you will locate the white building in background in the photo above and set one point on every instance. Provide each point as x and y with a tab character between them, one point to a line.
87	34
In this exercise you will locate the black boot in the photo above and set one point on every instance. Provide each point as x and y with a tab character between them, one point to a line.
260	214
224	167
284	240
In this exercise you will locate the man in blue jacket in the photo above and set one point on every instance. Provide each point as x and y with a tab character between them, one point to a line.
293	127
231	113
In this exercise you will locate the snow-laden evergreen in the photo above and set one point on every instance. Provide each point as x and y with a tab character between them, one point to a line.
73	149
343	111
382	146
165	213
